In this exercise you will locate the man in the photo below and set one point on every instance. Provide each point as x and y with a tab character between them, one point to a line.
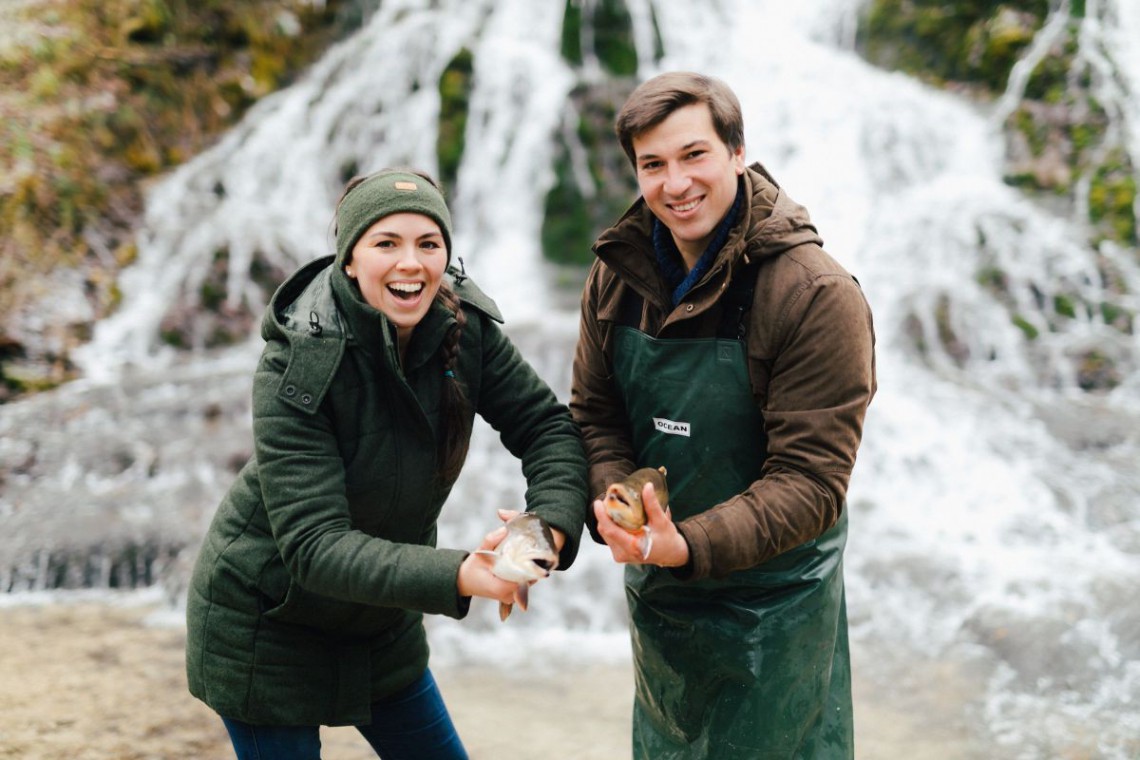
720	341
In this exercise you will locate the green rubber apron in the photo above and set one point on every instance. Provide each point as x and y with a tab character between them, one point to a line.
753	665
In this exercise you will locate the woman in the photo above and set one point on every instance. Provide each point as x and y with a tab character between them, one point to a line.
307	600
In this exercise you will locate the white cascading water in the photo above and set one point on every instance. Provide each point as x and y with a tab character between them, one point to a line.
995	508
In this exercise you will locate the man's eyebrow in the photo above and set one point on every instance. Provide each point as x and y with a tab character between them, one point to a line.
700	141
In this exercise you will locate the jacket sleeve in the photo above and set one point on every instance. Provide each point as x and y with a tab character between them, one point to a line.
595	402
539	431
820	380
303	480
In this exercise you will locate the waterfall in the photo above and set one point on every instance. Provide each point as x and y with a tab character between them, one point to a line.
995	507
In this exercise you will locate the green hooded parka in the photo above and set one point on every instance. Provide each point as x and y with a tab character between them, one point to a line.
307	598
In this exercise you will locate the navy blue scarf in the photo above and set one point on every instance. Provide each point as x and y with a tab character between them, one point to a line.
669	258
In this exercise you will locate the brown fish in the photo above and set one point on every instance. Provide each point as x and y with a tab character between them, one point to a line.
525	554
624	507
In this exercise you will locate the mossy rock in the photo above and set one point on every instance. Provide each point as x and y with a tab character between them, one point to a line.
611	32
455	85
112	92
578	208
972	43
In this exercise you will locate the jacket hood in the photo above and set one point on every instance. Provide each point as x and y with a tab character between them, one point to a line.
320	301
787	226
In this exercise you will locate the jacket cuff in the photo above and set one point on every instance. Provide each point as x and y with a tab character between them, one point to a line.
700	552
447	600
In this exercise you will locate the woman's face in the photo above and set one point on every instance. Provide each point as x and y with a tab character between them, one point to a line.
398	263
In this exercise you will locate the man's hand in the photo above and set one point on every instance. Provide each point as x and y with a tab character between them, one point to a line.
667	548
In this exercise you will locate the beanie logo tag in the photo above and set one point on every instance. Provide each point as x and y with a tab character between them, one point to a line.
406	186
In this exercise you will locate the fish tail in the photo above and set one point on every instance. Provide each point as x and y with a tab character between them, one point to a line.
645	543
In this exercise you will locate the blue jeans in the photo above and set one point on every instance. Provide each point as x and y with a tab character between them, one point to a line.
412	724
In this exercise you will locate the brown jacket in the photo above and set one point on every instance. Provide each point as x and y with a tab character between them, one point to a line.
810	345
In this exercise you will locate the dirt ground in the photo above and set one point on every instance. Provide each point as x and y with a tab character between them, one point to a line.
91	681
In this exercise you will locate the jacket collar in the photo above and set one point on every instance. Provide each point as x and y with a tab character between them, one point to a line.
769	224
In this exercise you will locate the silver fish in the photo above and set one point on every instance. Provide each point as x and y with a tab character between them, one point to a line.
524	555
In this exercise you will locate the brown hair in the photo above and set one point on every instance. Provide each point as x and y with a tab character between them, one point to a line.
455	427
655	99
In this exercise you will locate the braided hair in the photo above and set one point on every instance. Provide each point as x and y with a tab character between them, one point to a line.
452	446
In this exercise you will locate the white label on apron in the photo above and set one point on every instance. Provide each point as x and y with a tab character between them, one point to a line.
671	427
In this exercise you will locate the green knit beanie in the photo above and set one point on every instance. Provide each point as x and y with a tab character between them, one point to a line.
385	193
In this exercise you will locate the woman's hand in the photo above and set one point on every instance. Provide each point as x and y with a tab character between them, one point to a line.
475	577
668	547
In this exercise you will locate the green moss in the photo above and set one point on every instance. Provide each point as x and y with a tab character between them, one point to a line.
1117	316
1064	306
567	230
455	85
613	38
1096	371
1112	199
1030	332
993	279
572	33
972	42
1049	80
574	216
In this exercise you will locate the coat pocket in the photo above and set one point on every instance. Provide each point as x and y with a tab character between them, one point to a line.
282	600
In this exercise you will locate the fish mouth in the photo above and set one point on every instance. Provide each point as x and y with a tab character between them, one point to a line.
615	494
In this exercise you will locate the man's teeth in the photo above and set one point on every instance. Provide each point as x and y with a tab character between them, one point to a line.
407	287
682	207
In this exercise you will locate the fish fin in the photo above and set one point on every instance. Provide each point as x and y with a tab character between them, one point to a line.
504	610
522	595
645	543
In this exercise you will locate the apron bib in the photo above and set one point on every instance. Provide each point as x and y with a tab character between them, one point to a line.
754	665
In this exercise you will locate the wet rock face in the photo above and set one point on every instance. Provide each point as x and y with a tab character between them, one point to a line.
1064	129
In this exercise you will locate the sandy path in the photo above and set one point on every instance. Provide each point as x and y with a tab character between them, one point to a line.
89	681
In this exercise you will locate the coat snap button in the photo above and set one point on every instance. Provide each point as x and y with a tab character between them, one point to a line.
689	307
306	399
290	390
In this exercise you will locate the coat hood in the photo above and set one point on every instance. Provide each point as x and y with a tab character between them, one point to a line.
319	311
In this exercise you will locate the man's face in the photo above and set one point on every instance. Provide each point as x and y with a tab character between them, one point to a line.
688	176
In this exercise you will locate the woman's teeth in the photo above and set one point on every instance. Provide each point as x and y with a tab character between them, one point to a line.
406	289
